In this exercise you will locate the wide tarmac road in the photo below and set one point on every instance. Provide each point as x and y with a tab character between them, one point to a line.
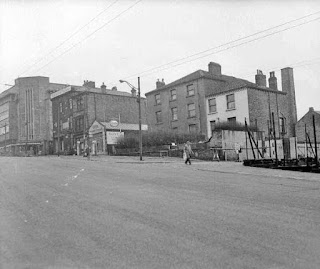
67	212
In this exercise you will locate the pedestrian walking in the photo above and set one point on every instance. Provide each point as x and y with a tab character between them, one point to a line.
88	153
187	151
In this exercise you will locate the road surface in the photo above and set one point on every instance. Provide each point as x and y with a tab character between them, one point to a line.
68	212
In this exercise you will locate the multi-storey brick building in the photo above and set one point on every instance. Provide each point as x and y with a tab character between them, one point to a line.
195	102
76	108
25	116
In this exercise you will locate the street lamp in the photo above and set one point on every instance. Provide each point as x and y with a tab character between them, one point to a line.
139	102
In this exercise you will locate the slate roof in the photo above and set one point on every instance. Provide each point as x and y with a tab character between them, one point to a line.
225	83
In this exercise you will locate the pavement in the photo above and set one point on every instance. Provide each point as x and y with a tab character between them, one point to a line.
214	166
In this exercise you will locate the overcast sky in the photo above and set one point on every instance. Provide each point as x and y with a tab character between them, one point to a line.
104	41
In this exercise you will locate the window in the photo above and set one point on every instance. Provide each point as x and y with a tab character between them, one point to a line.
70	103
60	107
158	117
79	103
79	124
191	110
70	122
60	125
192	128
230	101
212	125
174	113
282	123
173	95
232	120
212	105
157	99
190	90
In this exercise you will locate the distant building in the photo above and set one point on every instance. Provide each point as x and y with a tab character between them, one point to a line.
198	101
305	125
25	116
75	109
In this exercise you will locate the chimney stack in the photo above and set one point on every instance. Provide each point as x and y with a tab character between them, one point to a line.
103	88
134	92
160	84
89	84
273	84
311	109
288	87
261	79
214	69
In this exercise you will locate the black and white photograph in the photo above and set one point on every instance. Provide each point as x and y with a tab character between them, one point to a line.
165	134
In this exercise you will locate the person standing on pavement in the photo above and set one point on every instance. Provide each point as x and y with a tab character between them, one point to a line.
187	151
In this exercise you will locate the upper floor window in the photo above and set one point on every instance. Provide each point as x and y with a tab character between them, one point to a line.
60	107
192	128
173	95
282	123
70	103
190	90
158	117
230	101
191	110
79	124
157	99
174	113
212	105
70	122
80	103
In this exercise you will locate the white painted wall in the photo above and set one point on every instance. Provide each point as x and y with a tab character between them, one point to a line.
241	110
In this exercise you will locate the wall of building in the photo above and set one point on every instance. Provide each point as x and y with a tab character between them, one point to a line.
105	107
261	106
96	106
241	110
306	123
181	125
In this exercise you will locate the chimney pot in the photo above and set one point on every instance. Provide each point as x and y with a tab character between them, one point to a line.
160	84
103	88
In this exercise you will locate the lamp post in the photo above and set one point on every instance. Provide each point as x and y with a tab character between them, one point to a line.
139	104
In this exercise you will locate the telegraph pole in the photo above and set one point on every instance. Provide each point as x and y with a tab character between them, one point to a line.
315	141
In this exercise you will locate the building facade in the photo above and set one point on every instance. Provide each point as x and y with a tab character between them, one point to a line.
304	127
75	109
257	104
25	116
199	100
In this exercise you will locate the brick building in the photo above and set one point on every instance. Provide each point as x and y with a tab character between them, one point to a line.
239	101
306	124
76	108
25	116
197	101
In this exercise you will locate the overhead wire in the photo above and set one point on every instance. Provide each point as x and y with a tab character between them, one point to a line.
72	35
85	38
149	71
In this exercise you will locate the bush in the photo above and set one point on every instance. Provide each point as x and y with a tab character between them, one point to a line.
150	139
233	126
